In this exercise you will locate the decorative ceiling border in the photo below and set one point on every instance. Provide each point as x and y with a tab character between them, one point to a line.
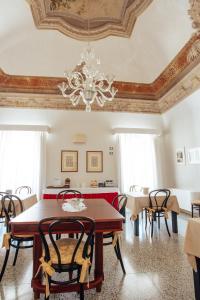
36	91
58	102
49	14
183	89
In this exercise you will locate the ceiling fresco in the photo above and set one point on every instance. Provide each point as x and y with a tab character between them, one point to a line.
88	19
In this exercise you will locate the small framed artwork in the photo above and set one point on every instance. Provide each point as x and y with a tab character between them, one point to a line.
69	161
94	161
180	156
193	155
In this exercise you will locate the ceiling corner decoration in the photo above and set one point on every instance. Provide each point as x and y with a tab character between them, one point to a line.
195	16
106	18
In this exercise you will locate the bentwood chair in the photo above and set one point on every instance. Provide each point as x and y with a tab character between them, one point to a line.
68	194
119	202
62	194
9	204
2	215
67	255
23	189
157	209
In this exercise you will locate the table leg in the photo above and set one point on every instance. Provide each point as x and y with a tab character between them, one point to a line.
174	222
136	226
196	277
98	258
37	253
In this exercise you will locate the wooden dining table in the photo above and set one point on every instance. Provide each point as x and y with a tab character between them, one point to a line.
106	218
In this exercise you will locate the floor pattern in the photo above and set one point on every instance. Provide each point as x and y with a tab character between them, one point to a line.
156	269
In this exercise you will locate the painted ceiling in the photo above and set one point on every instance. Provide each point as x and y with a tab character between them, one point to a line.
144	43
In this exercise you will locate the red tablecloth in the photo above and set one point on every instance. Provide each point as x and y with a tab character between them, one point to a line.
107	196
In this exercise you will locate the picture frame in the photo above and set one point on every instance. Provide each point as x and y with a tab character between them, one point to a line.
180	156
69	161
94	161
193	156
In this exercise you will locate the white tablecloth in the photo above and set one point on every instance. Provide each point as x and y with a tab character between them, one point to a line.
27	201
192	241
137	201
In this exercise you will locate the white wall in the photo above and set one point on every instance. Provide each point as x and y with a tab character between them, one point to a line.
182	129
64	124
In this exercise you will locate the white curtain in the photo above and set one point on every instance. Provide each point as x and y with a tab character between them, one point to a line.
137	162
21	160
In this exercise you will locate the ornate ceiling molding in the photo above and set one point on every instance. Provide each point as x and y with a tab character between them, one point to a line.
58	102
113	17
156	97
183	89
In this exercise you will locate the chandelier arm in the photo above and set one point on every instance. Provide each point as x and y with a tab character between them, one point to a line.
107	98
74	82
101	86
104	97
76	91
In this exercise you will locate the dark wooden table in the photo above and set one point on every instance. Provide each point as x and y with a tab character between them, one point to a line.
106	219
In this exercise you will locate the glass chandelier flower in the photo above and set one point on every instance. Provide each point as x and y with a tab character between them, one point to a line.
87	83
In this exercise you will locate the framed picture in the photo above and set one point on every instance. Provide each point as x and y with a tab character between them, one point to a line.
193	155
180	156
94	161
69	161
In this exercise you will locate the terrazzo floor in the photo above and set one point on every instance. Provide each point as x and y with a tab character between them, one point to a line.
155	269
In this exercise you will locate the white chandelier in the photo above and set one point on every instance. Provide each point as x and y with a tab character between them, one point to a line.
87	83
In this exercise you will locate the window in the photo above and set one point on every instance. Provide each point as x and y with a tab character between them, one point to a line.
137	161
20	160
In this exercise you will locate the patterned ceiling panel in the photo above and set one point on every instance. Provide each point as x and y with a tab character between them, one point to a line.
88	19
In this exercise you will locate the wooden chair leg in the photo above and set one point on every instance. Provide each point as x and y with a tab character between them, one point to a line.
116	252
159	221
45	297
81	292
92	252
16	253
152	221
192	212
199	211
167	227
4	264
145	219
120	257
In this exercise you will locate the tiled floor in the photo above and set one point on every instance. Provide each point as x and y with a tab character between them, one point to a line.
156	269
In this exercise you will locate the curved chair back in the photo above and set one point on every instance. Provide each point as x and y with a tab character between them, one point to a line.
54	225
72	193
2	215
24	188
154	196
11	204
119	202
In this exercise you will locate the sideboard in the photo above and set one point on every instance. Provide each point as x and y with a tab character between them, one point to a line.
107	193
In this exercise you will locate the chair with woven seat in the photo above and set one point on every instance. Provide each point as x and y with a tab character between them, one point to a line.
119	202
66	255
157	209
23	189
195	205
9	204
62	194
